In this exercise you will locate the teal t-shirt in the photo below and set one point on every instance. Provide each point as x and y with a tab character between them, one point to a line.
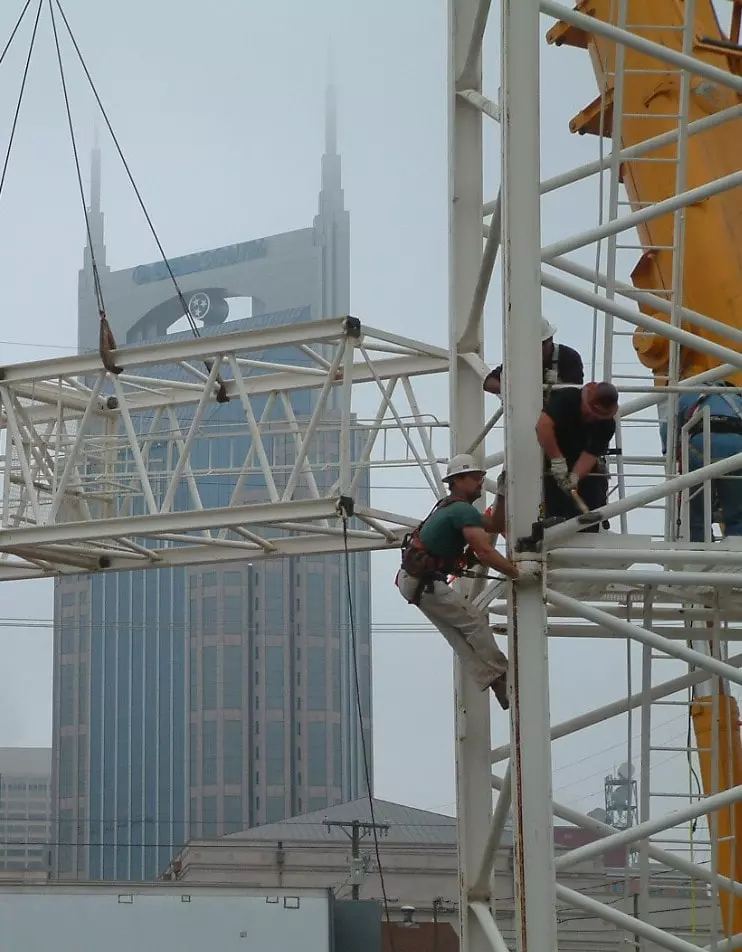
442	536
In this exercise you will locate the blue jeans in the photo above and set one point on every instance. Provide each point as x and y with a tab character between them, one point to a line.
727	492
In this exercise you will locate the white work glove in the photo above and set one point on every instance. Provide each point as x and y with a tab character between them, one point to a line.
560	471
551	377
573	481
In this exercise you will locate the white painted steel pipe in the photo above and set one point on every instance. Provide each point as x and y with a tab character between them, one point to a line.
661	556
655	50
692	870
641	831
604	713
652	324
651	494
622	920
627	630
645	577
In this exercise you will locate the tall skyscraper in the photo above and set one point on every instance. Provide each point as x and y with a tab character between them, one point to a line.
203	700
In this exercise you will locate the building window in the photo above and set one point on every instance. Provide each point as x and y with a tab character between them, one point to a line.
316	679
209	816
82	693
317	753
232	676
275	810
209	579
67	695
274	753
209	685
232	615
233	757
67	632
233	822
274	678
209	754
208	615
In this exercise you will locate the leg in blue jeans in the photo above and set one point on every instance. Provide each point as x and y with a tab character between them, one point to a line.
727	491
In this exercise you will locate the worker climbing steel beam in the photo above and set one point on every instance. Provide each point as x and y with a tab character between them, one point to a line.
434	551
574	430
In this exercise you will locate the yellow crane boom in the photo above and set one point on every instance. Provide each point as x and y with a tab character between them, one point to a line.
712	266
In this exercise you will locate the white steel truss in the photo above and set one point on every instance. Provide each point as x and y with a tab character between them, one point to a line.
105	472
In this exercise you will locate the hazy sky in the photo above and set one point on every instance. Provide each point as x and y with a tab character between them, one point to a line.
219	109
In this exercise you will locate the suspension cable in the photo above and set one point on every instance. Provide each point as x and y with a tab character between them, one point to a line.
221	393
22	91
107	343
15	30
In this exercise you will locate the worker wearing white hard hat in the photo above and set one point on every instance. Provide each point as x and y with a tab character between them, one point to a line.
434	551
561	364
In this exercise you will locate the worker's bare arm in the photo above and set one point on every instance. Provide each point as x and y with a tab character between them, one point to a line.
585	464
546	435
487	555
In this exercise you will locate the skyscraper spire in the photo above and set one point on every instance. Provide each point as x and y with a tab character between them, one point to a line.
95	178
95	213
331	196
331	119
332	224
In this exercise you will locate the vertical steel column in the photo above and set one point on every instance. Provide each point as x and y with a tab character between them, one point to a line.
530	736
473	771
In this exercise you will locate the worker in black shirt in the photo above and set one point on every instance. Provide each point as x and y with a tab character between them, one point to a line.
561	364
574	430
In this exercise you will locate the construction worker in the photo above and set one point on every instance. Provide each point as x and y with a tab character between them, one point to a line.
561	364
725	425
574	430
434	551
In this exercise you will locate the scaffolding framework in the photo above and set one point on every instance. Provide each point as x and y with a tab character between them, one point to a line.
81	491
649	589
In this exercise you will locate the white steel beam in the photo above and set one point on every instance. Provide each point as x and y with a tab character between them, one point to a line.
681	61
582	172
649	213
636	317
527	641
651	494
664	857
615	708
627	630
645	297
473	790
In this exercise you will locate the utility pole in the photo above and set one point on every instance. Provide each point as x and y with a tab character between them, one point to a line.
355	830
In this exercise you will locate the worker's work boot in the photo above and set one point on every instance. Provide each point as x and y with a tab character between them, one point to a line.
500	689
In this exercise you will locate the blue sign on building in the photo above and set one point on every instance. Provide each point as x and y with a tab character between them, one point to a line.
202	261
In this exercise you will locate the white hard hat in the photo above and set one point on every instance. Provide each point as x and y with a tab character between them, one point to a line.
463	463
547	330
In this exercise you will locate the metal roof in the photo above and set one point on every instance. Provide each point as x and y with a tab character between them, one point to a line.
407	825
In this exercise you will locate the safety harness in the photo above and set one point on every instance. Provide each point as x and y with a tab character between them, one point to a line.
417	561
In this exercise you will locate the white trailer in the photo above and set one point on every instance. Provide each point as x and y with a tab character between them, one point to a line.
167	917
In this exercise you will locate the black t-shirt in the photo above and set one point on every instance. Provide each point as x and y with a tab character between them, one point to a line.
573	434
568	365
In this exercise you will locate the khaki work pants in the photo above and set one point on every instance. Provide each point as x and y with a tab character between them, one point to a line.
464	627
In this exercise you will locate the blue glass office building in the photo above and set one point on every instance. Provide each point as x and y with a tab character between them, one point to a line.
199	701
